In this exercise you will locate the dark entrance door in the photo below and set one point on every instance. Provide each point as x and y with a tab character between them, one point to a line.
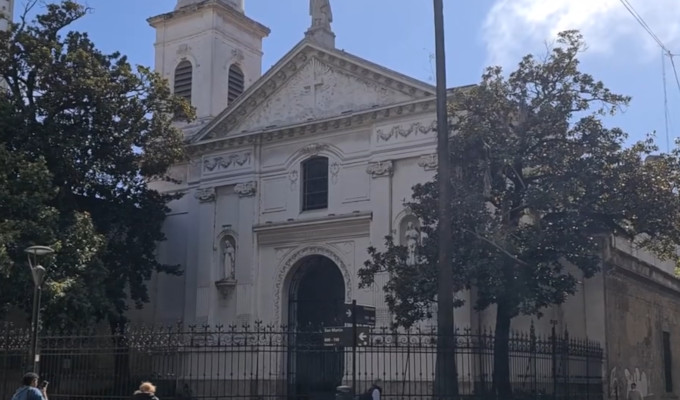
317	295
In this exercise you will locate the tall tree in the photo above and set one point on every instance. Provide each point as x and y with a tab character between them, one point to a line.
82	135
539	180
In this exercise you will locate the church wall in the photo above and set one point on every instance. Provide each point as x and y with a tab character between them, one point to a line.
281	176
642	304
167	292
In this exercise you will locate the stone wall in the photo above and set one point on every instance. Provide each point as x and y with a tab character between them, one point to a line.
642	303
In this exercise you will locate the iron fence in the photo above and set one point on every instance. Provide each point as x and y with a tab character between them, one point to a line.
267	362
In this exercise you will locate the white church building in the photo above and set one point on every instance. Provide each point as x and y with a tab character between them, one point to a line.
294	173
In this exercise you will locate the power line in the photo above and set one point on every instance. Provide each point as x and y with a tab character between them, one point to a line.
665	97
665	53
644	25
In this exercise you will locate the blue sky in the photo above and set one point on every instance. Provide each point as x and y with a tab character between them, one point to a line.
399	35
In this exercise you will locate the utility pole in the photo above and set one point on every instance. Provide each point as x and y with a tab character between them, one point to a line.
446	376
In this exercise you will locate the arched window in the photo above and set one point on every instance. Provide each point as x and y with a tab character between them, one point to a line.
236	83
183	77
315	183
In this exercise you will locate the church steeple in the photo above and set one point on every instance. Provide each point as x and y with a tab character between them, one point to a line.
320	31
209	51
237	4
6	13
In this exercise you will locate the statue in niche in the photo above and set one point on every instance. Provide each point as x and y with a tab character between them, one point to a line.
412	237
321	13
228	258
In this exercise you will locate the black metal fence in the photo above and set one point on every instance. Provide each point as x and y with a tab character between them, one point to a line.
266	362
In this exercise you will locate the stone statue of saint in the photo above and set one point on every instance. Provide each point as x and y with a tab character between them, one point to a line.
412	237
229	259
321	13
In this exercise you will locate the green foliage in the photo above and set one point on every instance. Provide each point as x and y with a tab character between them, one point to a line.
539	180
82	135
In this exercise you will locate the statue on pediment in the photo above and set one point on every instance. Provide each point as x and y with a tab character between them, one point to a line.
321	13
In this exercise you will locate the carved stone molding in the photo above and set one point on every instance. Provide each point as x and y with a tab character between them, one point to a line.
285	71
428	161
225	286
367	118
225	162
205	195
183	49
285	270
246	189
314	148
380	168
237	55
293	177
334	170
401	131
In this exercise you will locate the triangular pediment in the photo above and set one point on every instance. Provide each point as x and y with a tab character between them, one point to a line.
312	84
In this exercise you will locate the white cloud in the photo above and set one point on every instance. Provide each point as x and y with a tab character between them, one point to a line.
514	28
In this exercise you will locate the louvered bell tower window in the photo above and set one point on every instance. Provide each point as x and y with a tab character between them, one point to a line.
183	77
236	83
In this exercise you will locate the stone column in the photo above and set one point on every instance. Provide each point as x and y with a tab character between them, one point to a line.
204	257
245	264
381	204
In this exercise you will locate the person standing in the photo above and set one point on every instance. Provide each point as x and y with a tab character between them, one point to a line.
29	388
634	394
147	391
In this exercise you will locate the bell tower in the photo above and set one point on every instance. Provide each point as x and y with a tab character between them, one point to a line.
209	51
6	13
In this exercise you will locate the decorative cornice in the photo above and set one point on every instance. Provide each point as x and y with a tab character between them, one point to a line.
380	168
225	162
401	131
428	162
205	195
246	189
237	16
353	120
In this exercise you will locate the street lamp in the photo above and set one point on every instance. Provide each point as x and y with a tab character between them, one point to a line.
38	273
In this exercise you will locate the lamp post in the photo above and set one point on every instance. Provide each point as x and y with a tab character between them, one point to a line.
38	273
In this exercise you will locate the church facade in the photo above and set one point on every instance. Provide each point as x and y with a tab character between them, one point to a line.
293	174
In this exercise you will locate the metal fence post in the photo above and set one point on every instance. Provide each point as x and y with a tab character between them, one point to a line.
553	339
565	362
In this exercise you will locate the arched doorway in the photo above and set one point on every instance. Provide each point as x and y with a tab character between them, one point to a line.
315	300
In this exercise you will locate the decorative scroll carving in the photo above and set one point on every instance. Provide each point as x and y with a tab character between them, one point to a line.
246	189
334	170
293	177
237	54
290	263
314	148
428	161
183	49
380	168
400	131
227	162
205	195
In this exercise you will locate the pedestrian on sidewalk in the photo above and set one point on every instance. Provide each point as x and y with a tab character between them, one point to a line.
29	389
147	391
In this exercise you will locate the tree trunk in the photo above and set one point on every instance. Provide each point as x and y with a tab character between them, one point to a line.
446	375
501	353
